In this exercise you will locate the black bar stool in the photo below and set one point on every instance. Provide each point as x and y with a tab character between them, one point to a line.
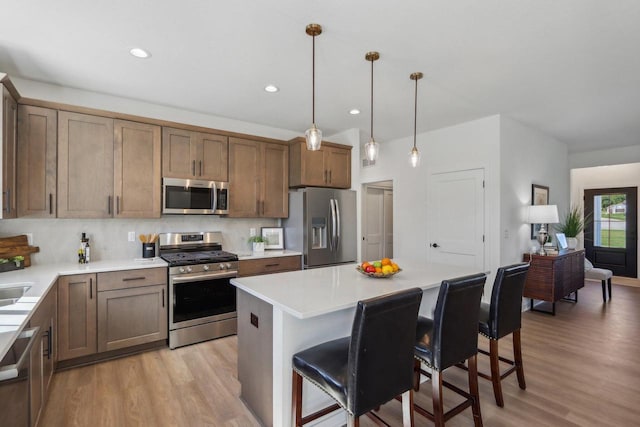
501	318
448	338
369	368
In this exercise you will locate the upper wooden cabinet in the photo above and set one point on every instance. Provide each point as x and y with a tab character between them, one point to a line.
8	127
328	167
188	154
258	179
37	161
137	170
85	166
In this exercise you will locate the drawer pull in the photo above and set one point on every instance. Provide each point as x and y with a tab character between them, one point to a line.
272	265
129	279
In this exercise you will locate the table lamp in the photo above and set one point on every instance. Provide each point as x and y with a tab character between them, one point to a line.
543	214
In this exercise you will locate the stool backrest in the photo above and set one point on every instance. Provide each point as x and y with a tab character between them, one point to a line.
505	313
455	320
380	363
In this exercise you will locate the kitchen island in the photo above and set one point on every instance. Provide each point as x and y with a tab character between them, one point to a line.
281	314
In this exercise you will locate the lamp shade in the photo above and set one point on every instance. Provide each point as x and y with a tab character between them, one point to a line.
542	214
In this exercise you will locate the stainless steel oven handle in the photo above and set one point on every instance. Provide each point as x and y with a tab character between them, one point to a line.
12	371
202	277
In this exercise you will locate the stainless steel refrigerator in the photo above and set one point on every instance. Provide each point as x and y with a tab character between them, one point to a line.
322	225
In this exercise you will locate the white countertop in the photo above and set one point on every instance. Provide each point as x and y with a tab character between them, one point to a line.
308	293
269	253
40	278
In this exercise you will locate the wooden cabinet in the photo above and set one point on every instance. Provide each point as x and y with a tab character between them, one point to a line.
328	167
258	179
37	161
43	353
77	305
553	277
132	308
188	154
137	170
254	267
85	166
8	132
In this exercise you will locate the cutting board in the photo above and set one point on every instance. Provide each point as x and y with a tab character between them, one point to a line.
17	245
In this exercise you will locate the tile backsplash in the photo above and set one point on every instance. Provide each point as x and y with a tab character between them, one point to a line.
59	239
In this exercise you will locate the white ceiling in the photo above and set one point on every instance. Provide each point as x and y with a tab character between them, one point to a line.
570	68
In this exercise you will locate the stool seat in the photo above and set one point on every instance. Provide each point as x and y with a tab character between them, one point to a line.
602	274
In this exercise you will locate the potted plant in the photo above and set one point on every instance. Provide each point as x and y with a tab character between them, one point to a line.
571	225
257	243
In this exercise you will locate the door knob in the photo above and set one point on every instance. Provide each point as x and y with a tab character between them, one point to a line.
435	245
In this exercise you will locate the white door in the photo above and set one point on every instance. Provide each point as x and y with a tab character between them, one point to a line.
374	224
456	218
388	223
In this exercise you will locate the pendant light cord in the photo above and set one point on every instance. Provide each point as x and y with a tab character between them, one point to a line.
313	81
415	115
372	100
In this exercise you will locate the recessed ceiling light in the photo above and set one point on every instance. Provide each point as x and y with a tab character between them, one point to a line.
139	52
354	111
271	88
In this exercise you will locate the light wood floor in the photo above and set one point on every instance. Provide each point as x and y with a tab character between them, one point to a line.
581	366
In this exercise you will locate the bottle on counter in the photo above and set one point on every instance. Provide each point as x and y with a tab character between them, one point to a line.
81	250
87	251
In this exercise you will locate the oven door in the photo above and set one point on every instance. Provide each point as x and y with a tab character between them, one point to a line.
188	196
200	298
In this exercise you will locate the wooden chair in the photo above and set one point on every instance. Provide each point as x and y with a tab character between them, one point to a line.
602	274
369	368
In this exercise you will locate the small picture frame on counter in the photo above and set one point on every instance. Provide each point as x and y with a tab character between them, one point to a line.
274	237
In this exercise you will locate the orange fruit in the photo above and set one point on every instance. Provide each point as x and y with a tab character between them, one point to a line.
378	269
394	266
364	265
385	261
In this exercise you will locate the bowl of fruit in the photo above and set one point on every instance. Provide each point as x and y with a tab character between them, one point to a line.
379	269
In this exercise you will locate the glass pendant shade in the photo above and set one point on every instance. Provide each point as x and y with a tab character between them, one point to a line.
414	157
371	150
313	135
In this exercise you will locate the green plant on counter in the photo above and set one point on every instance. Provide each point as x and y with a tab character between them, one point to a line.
572	224
257	239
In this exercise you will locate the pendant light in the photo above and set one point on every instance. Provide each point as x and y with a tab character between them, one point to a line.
313	135
414	155
371	147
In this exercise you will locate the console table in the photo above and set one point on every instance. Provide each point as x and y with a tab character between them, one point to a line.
554	277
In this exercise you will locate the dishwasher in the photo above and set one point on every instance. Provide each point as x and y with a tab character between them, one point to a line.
14	381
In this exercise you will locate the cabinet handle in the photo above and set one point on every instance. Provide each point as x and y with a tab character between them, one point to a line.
200	162
325	176
330	177
8	204
50	336
262	207
109	205
272	265
193	167
258	207
117	205
90	288
129	279
163	297
50	203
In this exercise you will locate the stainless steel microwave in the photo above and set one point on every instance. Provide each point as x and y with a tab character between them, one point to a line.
194	197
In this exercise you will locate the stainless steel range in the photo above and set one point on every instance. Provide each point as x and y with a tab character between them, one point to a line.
202	302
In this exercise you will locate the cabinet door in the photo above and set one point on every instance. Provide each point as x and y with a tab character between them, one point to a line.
9	138
275	182
128	317
306	168
37	161
85	166
179	151
77	303
213	158
244	178
339	167
137	167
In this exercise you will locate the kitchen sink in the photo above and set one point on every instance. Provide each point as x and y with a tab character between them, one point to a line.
11	294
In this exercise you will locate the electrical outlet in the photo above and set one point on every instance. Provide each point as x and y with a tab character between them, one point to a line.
132	236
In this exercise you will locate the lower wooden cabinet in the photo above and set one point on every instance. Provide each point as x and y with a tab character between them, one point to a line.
77	305
254	267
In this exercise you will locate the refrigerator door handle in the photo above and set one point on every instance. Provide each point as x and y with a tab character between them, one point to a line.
332	241
337	232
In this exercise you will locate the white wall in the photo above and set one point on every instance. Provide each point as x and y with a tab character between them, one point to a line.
610	156
624	175
527	157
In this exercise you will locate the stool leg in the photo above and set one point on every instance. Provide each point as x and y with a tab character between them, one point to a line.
353	421
438	407
604	290
416	370
297	399
495	372
609	282
473	389
517	357
407	408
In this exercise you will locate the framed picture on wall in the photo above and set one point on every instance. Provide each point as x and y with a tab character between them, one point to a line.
539	196
274	237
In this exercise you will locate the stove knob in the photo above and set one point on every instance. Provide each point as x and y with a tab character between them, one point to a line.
181	269
189	269
205	268
228	265
221	266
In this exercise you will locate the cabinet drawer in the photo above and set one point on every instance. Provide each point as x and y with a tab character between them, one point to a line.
131	278
255	267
